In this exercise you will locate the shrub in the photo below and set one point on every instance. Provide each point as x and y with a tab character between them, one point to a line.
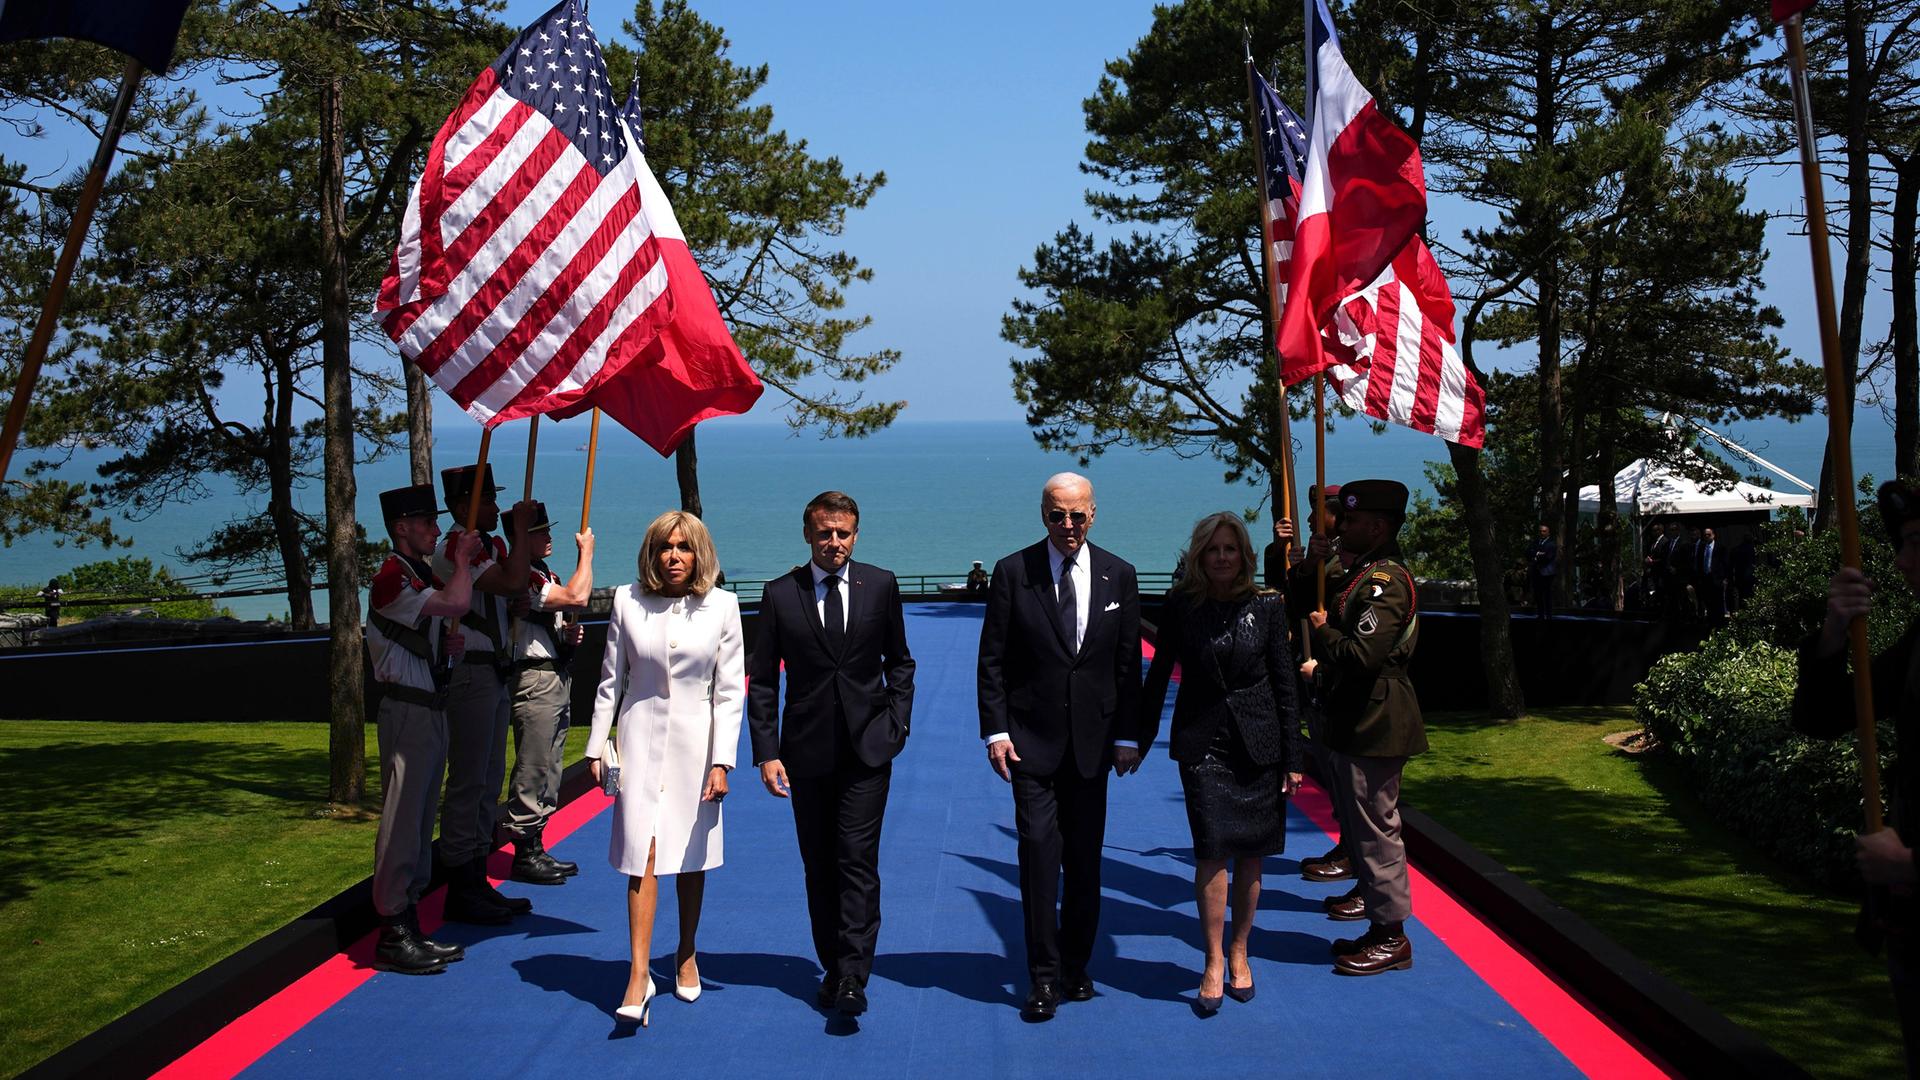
1724	713
136	579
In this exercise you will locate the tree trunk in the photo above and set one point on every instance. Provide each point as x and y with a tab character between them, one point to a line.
1547	280
1859	230
286	523
419	423
1504	699
1906	349
347	744
1606	524
686	465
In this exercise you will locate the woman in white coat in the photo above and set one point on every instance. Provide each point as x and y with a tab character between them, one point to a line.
674	672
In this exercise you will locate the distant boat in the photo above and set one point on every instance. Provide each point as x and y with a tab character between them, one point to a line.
581	449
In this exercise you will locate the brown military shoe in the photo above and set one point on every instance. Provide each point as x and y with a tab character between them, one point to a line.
1349	908
1376	951
1333	866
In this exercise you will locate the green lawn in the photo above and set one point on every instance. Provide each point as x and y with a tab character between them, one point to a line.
144	853
1622	842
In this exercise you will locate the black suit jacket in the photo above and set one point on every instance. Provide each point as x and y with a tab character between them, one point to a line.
1035	687
868	687
1252	687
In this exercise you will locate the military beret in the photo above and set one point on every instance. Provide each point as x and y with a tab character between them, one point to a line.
413	501
458	484
539	518
1380	496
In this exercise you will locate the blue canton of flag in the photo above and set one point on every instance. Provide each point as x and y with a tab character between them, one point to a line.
630	112
1284	139
555	67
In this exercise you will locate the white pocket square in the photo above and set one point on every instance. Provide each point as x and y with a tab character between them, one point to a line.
1115	606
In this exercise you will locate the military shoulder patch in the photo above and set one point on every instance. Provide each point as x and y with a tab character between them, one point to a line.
1381	575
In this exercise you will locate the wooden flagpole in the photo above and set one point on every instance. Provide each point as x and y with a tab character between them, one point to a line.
1839	420
1320	480
593	451
479	477
1281	452
63	269
533	441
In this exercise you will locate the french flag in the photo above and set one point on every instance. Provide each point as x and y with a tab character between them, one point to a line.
1364	196
693	370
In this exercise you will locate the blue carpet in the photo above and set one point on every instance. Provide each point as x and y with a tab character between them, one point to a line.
537	998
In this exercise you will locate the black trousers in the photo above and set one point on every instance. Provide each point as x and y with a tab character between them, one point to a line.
837	817
1062	824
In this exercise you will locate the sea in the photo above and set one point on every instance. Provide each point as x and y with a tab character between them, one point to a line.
934	495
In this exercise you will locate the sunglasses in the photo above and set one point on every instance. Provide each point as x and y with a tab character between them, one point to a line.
1078	517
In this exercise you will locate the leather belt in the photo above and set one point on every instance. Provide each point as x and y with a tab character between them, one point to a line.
413	695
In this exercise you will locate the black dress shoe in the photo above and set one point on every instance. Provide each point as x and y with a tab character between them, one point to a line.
1077	988
399	951
1349	908
824	994
849	998
1042	1000
534	866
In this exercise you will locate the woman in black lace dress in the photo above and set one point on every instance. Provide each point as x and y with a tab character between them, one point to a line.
1235	734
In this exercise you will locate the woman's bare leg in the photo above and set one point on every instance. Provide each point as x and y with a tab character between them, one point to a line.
643	896
1210	896
1246	900
691	889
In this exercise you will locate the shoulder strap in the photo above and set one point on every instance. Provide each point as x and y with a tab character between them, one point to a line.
410	638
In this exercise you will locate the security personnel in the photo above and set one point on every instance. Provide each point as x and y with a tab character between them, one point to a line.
478	710
1363	643
406	606
1823	706
544	639
1324	555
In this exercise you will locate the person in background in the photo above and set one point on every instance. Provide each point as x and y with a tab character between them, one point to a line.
1657	572
977	578
1823	705
541	692
409	653
1543	564
1236	736
1364	644
674	672
1710	575
479	711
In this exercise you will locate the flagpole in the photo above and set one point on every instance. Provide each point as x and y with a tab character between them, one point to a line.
533	440
63	269
479	477
1320	481
593	451
1281	468
1839	419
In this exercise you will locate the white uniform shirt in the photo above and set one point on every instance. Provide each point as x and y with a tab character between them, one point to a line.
399	592
492	550
533	635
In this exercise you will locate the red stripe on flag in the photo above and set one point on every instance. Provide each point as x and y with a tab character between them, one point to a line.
511	270
433	272
462	176
1385	324
1426	391
558	293
506	202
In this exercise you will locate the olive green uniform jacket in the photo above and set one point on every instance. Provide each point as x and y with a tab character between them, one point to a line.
1364	650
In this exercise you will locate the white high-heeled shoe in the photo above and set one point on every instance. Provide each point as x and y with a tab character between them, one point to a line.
637	1014
686	993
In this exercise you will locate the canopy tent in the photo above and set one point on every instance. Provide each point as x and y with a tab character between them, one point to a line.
1647	488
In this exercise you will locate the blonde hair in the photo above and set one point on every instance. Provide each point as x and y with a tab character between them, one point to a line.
706	565
1193	584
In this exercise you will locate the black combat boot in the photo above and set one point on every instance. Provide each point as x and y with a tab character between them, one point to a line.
468	902
514	905
447	952
402	952
532	864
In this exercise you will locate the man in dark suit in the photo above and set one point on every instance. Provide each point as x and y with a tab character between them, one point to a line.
1059	687
837	627
1543	564
1710	572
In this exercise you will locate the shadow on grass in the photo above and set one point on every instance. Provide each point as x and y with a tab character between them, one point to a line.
1696	902
81	800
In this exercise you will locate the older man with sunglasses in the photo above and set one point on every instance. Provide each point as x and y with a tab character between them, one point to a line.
1059	684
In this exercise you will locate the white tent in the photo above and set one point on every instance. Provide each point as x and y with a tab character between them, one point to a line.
1646	488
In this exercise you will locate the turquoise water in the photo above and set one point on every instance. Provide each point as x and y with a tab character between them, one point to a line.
933	496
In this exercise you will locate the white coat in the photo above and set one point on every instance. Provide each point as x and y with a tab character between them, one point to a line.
675	674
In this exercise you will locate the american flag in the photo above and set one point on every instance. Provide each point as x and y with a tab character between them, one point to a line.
527	271
1283	139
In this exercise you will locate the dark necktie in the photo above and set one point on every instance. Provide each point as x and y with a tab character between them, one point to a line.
1069	606
835	617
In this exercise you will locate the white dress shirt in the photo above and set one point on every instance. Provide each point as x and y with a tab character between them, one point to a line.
1082	596
820	592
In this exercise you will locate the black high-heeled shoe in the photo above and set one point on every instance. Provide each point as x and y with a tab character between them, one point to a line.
1206	1006
1242	994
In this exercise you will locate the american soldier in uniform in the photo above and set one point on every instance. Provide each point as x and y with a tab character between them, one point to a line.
1363	643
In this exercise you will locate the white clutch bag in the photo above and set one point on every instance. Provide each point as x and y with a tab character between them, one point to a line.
610	769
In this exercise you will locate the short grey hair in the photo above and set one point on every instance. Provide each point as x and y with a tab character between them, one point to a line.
1066	480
